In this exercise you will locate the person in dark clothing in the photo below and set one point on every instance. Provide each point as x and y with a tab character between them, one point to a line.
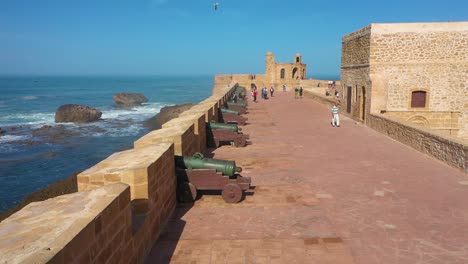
300	92
272	90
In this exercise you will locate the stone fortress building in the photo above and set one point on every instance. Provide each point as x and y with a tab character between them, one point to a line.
276	74
412	72
282	73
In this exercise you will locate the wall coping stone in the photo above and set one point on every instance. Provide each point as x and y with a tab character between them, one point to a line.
189	118
425	131
168	132
132	159
39	231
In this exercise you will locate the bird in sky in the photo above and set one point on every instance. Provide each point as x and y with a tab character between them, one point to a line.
216	6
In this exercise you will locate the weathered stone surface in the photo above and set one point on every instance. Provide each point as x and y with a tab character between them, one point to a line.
129	99
383	64
450	151
76	113
2	131
55	189
167	113
130	166
42	231
183	137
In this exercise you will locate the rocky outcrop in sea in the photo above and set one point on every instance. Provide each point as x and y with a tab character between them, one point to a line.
167	113
129	99
77	114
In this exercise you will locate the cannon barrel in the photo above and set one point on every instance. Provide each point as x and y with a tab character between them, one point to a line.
215	126
225	110
238	104
197	161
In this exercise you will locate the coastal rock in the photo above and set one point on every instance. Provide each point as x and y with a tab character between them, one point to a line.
129	99
76	113
56	132
167	113
1	131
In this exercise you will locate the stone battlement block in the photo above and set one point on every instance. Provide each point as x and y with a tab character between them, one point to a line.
135	167
63	229
182	137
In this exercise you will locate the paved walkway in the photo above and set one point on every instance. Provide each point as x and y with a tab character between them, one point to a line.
323	195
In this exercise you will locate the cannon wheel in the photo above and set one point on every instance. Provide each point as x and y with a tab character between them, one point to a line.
232	193
187	192
239	142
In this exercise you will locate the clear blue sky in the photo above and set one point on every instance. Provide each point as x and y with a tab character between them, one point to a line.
159	37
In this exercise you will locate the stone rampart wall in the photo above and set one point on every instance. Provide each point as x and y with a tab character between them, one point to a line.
123	201
446	149
314	83
85	227
321	98
444	121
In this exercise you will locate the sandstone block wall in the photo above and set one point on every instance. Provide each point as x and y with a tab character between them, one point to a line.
183	137
359	80
393	60
198	120
206	108
139	168
355	48
319	97
450	151
440	121
83	227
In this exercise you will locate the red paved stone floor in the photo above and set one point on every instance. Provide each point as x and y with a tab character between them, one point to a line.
323	195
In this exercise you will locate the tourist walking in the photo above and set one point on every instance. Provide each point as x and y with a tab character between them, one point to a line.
296	93
255	96
284	87
300	92
335	115
272	90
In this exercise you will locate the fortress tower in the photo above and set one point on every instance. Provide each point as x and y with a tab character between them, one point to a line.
270	67
284	73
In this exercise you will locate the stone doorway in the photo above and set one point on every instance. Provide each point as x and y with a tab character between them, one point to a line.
362	104
348	99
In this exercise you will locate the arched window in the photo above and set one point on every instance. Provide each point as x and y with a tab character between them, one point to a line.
282	73
294	73
297	59
418	99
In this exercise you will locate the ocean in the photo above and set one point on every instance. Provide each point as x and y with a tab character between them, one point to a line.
31	160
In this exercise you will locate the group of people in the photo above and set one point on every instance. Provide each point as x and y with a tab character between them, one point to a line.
264	92
298	92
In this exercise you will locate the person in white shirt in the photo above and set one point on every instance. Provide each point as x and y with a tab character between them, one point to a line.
335	115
